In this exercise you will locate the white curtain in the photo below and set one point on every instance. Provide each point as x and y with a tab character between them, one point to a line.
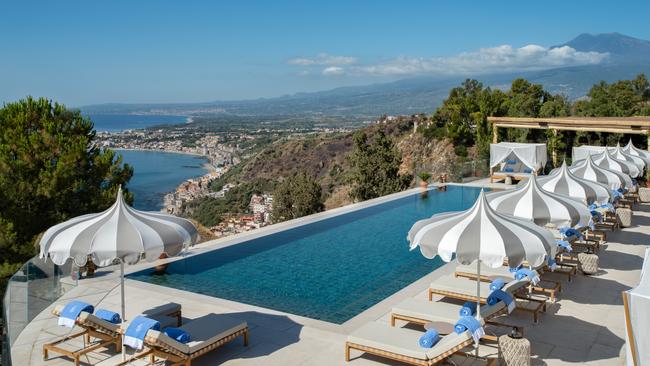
582	152
531	155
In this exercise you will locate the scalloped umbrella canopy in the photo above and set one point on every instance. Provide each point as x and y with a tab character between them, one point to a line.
635	151
562	181
619	154
481	233
587	169
607	161
121	233
532	203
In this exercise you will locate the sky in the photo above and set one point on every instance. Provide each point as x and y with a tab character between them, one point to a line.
89	52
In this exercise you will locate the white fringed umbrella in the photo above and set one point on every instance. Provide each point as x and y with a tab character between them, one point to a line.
587	169
607	161
562	181
482	235
532	203
635	151
119	233
619	154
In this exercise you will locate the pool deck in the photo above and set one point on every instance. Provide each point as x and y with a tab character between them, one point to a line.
585	326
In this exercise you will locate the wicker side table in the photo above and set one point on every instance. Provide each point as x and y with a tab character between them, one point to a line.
514	351
644	194
624	216
588	263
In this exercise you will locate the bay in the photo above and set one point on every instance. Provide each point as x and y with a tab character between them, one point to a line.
120	122
156	173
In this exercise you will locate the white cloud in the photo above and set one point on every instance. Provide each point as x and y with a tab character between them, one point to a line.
495	59
333	70
323	59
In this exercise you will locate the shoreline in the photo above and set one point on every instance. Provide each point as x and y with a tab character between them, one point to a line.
157	150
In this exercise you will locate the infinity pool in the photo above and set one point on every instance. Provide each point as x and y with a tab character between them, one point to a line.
331	269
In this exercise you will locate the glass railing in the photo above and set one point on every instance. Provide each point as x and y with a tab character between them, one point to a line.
30	291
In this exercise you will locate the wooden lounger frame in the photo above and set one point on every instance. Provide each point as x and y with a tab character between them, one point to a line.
106	337
177	358
408	359
551	291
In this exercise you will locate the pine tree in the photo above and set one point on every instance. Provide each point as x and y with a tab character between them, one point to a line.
298	195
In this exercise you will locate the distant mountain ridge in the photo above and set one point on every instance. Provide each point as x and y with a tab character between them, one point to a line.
628	57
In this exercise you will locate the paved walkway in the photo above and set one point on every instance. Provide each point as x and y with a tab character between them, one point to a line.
585	326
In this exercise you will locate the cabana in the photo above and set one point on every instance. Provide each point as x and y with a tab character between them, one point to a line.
637	317
511	160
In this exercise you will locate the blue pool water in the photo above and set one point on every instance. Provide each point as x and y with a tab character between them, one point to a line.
331	270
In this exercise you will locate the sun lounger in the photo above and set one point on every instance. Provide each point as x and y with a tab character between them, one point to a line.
461	289
401	344
207	334
550	288
105	332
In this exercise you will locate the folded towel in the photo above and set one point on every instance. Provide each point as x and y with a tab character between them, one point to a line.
528	170
137	330
178	334
508	169
552	264
499	295
497	284
616	195
597	215
429	338
622	190
468	309
525	272
609	207
511	161
593	207
470	323
564	244
570	232
71	312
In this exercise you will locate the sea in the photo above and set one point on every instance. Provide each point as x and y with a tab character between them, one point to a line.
120	122
155	173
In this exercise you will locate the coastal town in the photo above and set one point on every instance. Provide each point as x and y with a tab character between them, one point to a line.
221	155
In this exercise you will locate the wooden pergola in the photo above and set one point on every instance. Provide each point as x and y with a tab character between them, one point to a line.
625	125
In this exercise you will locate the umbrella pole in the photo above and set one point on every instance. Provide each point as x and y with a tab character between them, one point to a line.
123	306
478	295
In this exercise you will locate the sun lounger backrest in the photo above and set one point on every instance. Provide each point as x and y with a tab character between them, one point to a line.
487	311
100	325
155	338
512	286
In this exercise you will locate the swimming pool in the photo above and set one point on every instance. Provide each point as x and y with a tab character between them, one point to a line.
332	269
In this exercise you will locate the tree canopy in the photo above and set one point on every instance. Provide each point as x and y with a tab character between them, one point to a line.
50	171
296	196
374	167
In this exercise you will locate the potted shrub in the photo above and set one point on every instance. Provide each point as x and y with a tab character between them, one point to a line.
424	179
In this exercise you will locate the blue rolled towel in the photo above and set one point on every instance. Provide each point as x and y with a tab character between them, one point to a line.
137	330
513	269
564	244
429	338
508	169
71	312
528	170
593	207
468	309
552	264
109	316
497	284
525	272
178	334
616	195
597	215
499	295
569	232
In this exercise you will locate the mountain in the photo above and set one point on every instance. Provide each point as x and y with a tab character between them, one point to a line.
628	57
622	48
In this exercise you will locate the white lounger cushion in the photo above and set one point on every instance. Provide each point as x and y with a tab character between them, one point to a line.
467	287
157	313
437	311
403	341
203	332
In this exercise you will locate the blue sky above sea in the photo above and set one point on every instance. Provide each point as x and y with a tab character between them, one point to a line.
80	52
